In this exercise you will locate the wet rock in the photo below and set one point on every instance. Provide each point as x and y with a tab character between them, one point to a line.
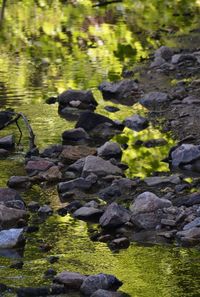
192	224
78	135
21	182
114	216
79	183
9	217
7	142
33	206
99	281
11	238
4	153
99	167
120	243
125	91
158	180
51	175
154	99
78	99
7	196
88	213
106	293
136	123
164	52
111	108
90	120
184	154
109	150
5	116
45	210
71	280
70	154
52	151
33	167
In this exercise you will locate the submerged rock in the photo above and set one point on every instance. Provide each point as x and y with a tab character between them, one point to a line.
136	123
114	216
11	238
99	281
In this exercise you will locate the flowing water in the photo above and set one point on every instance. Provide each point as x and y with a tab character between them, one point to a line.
48	46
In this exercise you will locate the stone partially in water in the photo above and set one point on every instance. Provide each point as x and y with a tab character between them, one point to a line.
99	281
11	238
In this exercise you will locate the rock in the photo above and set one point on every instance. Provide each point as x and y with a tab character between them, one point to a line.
10	196
155	142
157	62
17	265
45	210
78	99
70	154
89	120
168	222
190	236
7	142
33	206
51	175
191	100
120	243
100	167
99	281
148	202
78	183
109	150
50	273
114	216
33	167
21	182
70	208
136	123
4	153
183	58
193	224
106	293
53	151
71	280
184	154
51	100
77	166
158	180
111	108
78	135
154	99
9	217
125	91
11	238
5	117
33	292
164	52
88	213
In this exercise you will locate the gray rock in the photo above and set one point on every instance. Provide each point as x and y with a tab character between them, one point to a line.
7	196
193	224
75	135
19	182
120	243
136	123
109	150
100	167
99	281
148	202
164	52
181	58
125	91
9	217
114	216
78	99
88	213
52	151
4	153
77	166
71	280
11	238
185	154
45	210
154	99
157	180
168	222
105	293
147	220
91	203
78	183
7	142
187	200
190	236
158	62
35	166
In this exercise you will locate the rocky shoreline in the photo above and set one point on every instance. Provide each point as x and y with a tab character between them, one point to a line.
91	179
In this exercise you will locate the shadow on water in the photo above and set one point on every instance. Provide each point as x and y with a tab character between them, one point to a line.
49	46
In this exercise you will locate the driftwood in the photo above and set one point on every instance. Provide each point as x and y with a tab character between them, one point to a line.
14	120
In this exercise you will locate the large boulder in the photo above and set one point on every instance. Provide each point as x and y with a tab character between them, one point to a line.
154	100
11	238
77	99
124	91
7	142
136	123
110	150
70	153
9	217
114	216
99	281
147	210
71	280
100	167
